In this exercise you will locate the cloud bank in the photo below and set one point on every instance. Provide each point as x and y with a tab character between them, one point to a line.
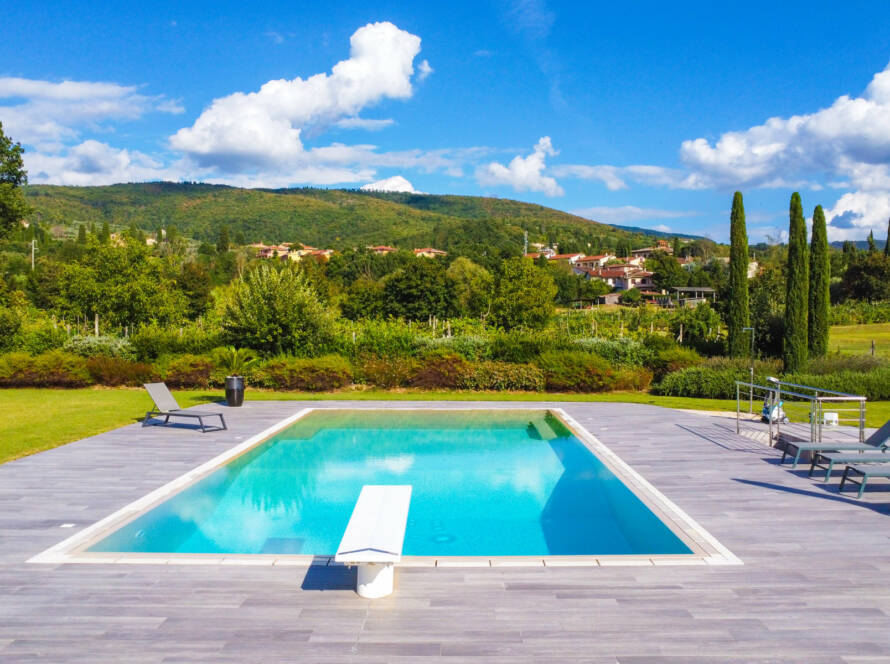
394	184
523	173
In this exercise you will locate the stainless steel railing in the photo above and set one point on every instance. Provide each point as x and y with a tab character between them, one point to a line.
806	401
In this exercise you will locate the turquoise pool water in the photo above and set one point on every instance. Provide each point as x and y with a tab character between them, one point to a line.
486	483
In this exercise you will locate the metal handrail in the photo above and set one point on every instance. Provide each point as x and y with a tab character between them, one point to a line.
773	397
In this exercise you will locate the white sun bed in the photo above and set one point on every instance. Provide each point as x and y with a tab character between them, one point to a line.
374	537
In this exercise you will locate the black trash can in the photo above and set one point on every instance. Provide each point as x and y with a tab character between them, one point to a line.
234	391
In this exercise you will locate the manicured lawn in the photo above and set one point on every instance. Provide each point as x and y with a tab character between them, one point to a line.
856	339
32	420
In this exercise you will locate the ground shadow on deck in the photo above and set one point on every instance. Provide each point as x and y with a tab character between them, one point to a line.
321	577
826	493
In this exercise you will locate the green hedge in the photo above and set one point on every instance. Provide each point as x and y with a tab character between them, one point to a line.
329	372
489	375
54	368
114	372
577	371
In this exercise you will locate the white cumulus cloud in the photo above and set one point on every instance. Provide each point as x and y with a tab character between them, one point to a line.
628	213
523	173
394	184
47	114
263	128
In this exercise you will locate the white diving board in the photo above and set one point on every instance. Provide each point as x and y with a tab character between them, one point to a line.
374	537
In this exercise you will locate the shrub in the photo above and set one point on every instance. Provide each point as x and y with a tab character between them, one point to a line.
577	371
40	337
836	363
152	341
874	384
380	338
9	327
519	346
856	312
188	371
618	351
114	371
501	376
701	381
313	375
439	368
51	369
673	359
107	346
470	347
387	372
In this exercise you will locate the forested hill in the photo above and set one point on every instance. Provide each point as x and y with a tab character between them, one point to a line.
334	218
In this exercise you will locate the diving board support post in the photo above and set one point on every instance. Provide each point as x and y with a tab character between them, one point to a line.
374	537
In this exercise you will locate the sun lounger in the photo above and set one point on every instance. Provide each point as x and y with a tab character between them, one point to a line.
167	407
865	472
828	460
374	537
874	443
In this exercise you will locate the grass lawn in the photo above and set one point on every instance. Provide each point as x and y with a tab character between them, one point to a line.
856	339
33	420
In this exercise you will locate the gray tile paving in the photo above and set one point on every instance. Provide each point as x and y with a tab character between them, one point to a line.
812	588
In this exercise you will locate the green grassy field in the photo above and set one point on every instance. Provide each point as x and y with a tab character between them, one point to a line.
33	420
856	339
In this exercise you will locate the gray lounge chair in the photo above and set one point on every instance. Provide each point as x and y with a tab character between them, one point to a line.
877	442
828	460
865	472
167	407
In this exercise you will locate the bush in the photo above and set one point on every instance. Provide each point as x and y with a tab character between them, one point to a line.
312	375
152	341
836	363
378	338
387	372
673	359
114	371
439	369
470	347
701	382
623	351
576	371
501	376
874	384
40	336
188	371
51	369
519	346
858	312
9	327
106	346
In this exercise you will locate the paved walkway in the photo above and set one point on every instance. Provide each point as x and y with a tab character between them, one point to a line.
815	586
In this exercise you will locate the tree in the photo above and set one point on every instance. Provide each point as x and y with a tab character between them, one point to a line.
872	247
81	234
794	347
524	295
13	206
473	287
820	278
666	271
222	242
419	290
105	233
194	282
274	311
631	297
887	243
867	277
738	313
622	248
364	299
676	247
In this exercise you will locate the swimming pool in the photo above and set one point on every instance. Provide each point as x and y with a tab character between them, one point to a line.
511	482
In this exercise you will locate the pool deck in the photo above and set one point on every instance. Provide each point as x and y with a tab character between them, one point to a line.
814	586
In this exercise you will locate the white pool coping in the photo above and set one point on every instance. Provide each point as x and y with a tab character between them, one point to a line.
706	549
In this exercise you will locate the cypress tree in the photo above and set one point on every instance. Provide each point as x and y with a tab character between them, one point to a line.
820	275
82	234
887	243
105	234
794	347
222	243
872	247
738	315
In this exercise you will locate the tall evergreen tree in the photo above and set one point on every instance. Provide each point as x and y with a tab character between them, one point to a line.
82	234
676	246
794	347
105	233
222	243
872	247
738	316
887	243
820	275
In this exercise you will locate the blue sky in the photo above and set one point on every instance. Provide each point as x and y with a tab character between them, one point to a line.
646	114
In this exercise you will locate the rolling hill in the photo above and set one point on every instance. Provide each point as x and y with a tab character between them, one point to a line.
335	218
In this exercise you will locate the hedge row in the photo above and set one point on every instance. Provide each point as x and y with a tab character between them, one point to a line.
575	371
